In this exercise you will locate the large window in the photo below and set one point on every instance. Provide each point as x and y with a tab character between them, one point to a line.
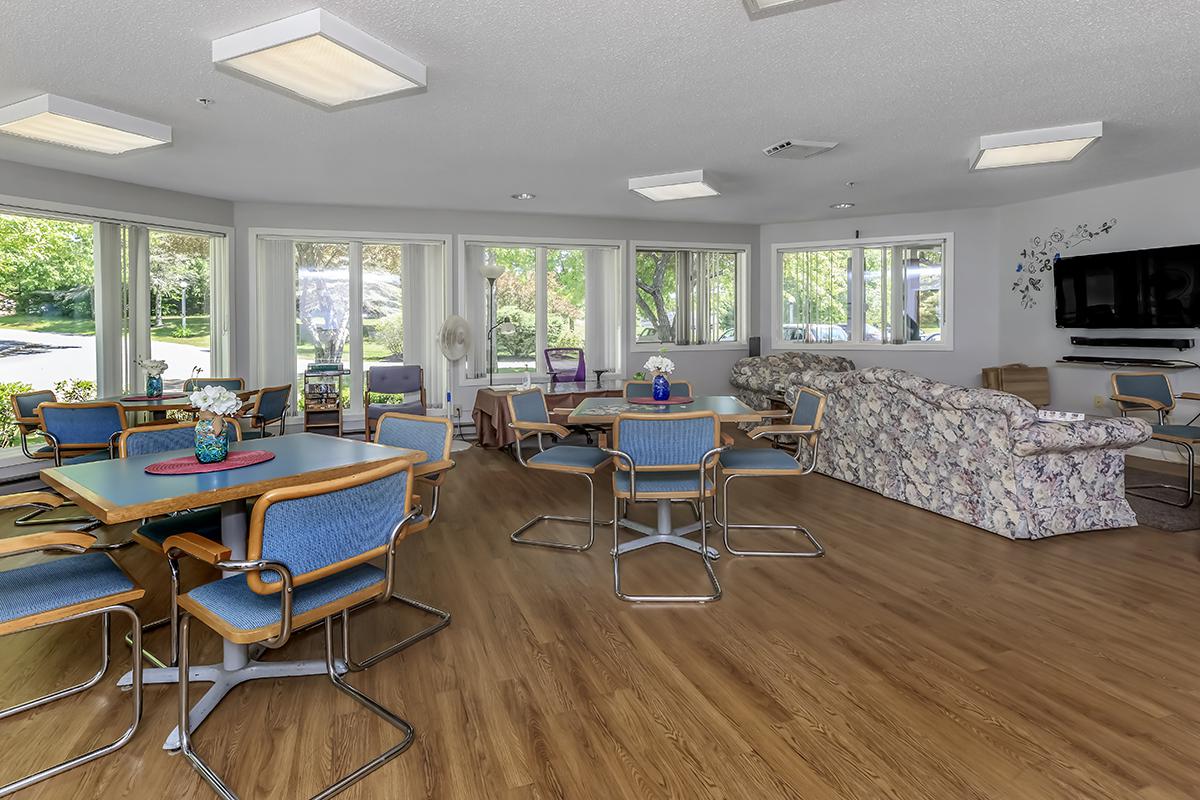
866	293
553	295
180	298
689	296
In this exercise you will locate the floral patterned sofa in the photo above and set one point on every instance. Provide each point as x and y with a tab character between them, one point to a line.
760	381
974	455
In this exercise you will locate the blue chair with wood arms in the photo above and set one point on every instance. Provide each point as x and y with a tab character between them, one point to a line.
269	406
232	384
152	534
24	405
83	585
766	462
81	431
642	389
309	550
1151	391
664	458
529	416
394	379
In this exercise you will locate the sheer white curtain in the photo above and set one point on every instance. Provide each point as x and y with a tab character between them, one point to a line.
602	326
424	286
275	331
109	259
475	310
137	286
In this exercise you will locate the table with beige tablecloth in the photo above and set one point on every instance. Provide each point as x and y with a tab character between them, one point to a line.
492	418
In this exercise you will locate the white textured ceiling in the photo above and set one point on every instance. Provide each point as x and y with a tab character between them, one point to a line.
570	99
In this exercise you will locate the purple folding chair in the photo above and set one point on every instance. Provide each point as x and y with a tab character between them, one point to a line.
407	380
565	365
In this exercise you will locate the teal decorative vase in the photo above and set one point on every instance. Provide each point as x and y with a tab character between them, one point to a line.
154	386
212	440
662	388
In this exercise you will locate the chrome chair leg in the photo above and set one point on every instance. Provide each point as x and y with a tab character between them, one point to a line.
136	628
171	620
214	780
667	598
424	633
33	517
1189	490
590	521
816	552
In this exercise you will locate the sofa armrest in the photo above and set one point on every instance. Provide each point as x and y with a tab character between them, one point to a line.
1117	433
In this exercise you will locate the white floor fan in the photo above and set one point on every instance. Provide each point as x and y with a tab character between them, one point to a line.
455	341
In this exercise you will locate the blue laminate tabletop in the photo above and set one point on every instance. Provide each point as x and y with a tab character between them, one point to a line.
603	410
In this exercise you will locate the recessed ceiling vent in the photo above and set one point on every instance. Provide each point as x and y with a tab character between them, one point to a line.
798	148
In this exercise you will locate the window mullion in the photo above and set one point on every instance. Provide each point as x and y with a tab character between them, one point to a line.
356	329
541	312
857	296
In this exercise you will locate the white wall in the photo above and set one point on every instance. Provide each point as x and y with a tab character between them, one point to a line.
974	313
708	370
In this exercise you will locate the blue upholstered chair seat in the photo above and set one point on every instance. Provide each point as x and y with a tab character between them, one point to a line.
652	483
569	456
1178	431
759	459
100	455
204	521
59	583
232	600
254	433
376	410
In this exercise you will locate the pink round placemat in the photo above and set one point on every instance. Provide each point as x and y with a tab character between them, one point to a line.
188	465
168	396
650	401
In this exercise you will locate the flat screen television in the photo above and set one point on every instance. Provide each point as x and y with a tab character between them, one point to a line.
1158	288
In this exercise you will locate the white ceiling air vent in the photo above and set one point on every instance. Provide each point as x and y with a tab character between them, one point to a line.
757	9
798	148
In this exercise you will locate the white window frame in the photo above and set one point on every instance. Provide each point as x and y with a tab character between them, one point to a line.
548	242
857	295
743	293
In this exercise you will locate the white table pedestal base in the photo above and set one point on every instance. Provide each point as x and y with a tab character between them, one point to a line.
663	533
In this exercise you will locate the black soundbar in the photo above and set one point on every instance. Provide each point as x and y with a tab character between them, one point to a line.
1127	341
1121	360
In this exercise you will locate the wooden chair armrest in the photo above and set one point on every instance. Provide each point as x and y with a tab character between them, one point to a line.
1188	396
727	439
603	440
565	412
776	413
198	547
48	499
68	541
1140	401
780	430
432	467
526	428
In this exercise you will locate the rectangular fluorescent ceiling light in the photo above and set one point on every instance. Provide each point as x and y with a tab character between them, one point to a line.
675	186
758	9
320	58
70	123
1043	146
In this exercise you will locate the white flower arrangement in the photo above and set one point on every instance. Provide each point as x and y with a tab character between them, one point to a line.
154	367
659	363
216	400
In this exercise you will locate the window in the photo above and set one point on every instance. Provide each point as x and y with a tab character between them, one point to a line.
865	293
553	294
688	296
180	289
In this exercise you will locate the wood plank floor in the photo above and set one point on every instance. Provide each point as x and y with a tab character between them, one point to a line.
920	658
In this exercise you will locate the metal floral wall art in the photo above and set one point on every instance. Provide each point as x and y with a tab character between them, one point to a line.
1040	255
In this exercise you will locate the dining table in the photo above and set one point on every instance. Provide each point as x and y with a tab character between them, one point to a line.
159	406
603	411
121	490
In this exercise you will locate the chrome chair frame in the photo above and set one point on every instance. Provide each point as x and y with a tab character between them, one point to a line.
43	502
1126	403
278	641
517	536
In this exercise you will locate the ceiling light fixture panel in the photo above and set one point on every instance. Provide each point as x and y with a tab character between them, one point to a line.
83	126
673	186
757	9
320	58
1041	146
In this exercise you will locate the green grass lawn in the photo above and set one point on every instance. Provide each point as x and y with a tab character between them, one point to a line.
198	327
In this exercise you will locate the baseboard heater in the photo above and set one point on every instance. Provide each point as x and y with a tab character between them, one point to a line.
1128	341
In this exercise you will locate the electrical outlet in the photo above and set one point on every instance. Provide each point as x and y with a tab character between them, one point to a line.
458	412
1099	400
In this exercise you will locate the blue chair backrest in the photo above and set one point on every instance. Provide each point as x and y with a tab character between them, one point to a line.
646	389
394	379
151	439
810	407
82	423
1153	386
529	406
431	435
232	384
332	526
666	441
272	402
25	404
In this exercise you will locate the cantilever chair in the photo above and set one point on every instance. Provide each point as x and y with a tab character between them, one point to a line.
565	365
232	384
748	462
395	379
1151	391
81	431
529	416
24	406
269	406
665	457
308	549
646	389
63	589
152	534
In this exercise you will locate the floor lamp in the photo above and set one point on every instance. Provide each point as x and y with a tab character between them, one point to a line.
492	270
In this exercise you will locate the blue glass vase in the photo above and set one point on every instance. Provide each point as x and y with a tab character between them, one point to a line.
662	388
212	440
154	386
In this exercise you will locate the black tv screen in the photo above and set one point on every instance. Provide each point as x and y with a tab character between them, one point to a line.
1157	288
